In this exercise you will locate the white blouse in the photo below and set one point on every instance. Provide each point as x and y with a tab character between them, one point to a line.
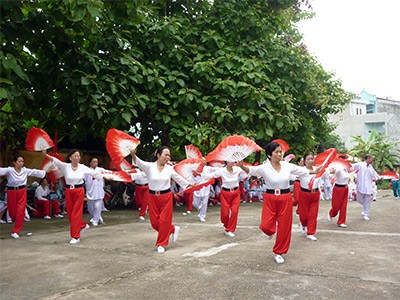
75	177
41	193
160	181
15	179
229	180
94	186
277	180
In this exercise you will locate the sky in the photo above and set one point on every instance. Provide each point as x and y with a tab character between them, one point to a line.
359	41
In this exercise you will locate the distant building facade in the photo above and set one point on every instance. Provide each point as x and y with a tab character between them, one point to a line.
365	113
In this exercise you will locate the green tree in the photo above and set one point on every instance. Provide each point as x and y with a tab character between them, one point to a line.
175	72
386	152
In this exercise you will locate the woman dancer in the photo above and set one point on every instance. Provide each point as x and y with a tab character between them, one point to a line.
74	174
141	193
230	195
276	214
159	175
17	177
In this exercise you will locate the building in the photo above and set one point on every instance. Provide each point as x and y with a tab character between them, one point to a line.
365	113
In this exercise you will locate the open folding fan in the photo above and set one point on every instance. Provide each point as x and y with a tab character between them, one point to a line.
338	163
119	144
186	167
121	165
192	152
389	175
216	163
37	140
233	148
322	159
285	146
56	174
118	176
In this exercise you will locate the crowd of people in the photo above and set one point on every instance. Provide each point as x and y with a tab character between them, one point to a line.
278	184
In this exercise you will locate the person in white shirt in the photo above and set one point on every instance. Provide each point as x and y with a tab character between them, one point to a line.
277	213
74	174
340	196
365	176
326	182
159	175
230	195
17	177
95	192
44	204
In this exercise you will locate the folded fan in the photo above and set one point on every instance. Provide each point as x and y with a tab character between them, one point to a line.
118	176
119	144
192	152
47	164
37	140
233	148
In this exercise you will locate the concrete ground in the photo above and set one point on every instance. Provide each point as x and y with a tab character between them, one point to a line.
118	259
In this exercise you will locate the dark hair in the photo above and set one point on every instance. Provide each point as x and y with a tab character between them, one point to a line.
160	151
299	159
307	154
72	151
271	148
93	157
41	180
16	156
367	156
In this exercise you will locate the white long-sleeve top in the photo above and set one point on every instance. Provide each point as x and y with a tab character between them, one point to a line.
15	179
342	177
305	180
229	180
326	179
139	178
277	180
205	190
41	193
75	177
366	174
94	186
160	181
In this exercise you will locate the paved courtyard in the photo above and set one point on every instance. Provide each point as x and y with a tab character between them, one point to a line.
118	260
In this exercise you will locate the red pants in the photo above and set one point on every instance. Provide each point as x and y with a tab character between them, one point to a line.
277	210
141	198
47	208
339	203
296	192
189	200
74	206
230	202
308	210
16	202
161	217
242	194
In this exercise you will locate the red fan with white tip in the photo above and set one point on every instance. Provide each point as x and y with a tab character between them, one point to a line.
389	175
186	167
289	157
37	140
192	152
285	146
233	148
339	163
118	176
56	174
122	165
119	144
322	159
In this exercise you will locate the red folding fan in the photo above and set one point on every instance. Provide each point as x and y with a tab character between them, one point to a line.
186	167
289	157
389	175
339	163
119	144
322	159
118	176
233	148
37	140
285	146
122	165
198	186
56	174
216	163
192	152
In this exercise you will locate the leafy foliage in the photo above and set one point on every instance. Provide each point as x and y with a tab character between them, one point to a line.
174	72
